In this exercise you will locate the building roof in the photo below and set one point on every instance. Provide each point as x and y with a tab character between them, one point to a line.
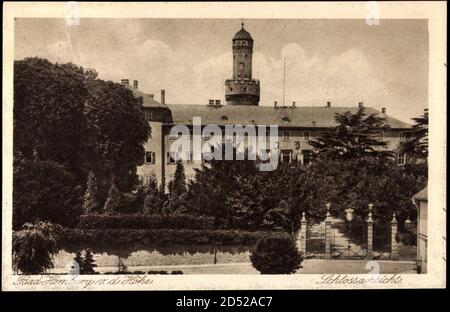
242	34
422	195
148	99
308	117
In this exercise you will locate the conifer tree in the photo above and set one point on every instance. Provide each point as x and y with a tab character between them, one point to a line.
88	263
153	199
90	201
112	204
355	136
416	147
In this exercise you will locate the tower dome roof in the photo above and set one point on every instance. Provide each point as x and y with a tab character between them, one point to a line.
242	34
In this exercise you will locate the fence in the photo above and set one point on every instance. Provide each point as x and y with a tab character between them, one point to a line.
348	239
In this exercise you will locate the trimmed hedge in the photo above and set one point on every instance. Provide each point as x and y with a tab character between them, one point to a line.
145	222
125	241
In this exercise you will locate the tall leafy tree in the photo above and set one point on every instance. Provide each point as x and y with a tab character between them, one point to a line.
214	183
116	132
48	111
416	147
355	136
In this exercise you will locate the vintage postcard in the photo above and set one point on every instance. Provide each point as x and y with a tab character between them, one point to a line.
220	146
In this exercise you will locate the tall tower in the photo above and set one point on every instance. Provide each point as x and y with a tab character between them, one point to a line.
242	89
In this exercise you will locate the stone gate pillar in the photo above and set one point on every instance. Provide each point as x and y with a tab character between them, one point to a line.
370	234
394	245
303	225
328	234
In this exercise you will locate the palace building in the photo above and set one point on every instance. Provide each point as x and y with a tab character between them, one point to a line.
296	124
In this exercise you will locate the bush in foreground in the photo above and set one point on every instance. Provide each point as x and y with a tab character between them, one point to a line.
33	248
276	255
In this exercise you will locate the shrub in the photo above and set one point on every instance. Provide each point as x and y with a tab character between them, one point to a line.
45	191
33	248
136	221
276	255
408	239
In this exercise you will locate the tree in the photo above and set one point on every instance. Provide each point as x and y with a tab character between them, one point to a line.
153	200
279	216
90	202
116	131
360	182
88	263
48	112
178	185
276	255
213	185
177	191
114	200
33	247
45	191
416	147
355	136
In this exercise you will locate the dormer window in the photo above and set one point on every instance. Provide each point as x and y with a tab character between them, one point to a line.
224	117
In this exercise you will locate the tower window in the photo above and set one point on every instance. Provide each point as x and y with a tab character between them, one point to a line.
245	89
231	89
245	55
234	57
241	65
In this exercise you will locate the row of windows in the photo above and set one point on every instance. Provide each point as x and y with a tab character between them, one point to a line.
286	134
286	156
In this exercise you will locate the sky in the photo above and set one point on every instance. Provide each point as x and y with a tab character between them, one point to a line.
343	61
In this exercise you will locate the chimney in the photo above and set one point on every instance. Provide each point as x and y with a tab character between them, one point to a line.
425	112
217	102
135	84
275	104
383	110
328	104
163	97
125	82
211	103
361	104
293	104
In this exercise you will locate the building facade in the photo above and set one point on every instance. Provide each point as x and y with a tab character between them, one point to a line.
421	202
296	125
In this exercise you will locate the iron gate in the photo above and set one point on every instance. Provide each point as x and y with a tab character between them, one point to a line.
349	240
315	241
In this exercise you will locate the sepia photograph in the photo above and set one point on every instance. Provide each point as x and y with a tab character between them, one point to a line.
217	146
